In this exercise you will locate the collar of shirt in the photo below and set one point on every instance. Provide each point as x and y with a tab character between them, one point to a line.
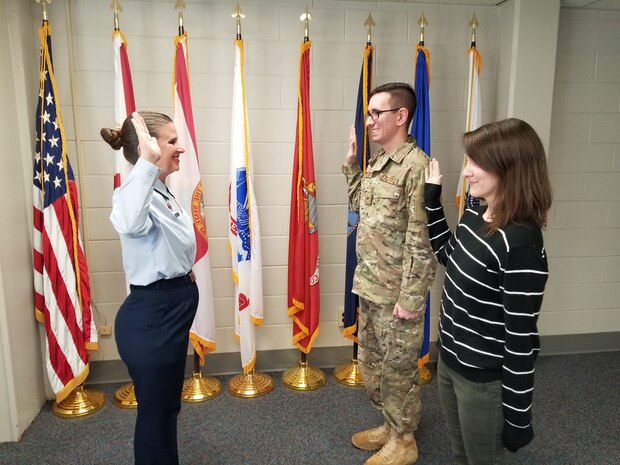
381	158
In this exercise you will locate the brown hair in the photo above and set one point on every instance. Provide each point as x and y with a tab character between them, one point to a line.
401	96
512	151
127	138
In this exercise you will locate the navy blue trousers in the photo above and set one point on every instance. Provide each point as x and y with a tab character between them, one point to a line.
152	331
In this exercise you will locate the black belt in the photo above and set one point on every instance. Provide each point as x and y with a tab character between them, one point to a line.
172	283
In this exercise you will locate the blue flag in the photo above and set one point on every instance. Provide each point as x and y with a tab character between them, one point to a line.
421	130
351	301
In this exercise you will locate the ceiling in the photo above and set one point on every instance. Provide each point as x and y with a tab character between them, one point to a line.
587	4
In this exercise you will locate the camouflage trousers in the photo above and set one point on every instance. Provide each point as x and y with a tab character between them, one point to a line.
388	360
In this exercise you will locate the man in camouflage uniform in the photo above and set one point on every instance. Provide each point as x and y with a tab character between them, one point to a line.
395	270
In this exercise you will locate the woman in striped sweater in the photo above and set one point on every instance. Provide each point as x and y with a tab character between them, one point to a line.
496	270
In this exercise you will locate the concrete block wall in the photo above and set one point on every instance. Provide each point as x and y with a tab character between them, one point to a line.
272	33
583	238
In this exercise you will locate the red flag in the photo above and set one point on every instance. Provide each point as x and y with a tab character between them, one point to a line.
62	291
303	246
124	103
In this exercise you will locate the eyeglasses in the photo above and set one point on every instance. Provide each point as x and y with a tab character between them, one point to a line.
374	114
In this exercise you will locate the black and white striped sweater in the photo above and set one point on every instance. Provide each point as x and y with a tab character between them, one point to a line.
491	299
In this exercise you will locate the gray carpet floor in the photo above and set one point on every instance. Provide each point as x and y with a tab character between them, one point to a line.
576	418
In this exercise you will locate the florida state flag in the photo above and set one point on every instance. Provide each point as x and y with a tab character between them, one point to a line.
303	246
186	185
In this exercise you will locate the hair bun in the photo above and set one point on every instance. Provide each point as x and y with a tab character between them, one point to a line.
112	137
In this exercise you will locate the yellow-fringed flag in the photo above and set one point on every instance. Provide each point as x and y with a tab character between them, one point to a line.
187	187
61	286
244	228
303	245
474	120
124	103
351	300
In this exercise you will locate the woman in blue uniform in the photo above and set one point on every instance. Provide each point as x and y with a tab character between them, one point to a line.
158	244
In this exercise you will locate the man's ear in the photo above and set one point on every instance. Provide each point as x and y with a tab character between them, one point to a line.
402	113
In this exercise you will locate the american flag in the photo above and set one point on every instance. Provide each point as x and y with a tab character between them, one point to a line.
62	291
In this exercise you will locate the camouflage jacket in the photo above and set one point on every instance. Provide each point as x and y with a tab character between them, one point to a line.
395	261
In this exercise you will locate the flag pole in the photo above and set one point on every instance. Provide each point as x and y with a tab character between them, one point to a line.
462	190
251	384
349	374
197	388
125	396
304	377
80	401
474	25
424	373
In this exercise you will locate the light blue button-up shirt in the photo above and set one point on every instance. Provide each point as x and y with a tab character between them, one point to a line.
157	236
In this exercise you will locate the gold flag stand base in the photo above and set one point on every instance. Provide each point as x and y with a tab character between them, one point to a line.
200	388
303	377
125	397
79	403
251	385
425	375
349	374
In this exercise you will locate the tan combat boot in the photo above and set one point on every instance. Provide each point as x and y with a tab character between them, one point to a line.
372	439
401	449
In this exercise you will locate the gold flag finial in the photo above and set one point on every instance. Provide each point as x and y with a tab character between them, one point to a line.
44	4
116	7
306	17
474	25
238	14
369	23
180	6
422	22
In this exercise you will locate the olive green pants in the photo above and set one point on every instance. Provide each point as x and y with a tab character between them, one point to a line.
388	360
474	416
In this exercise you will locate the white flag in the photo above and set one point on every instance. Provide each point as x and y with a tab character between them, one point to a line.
186	185
474	119
244	230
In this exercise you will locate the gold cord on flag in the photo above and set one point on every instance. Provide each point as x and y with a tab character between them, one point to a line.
44	31
428	61
422	22
180	39
305	47
366	83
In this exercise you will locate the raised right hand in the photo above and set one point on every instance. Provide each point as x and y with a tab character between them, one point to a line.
148	148
352	153
433	173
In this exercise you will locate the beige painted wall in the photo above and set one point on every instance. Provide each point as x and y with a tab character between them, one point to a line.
583	240
21	370
584	158
272	32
